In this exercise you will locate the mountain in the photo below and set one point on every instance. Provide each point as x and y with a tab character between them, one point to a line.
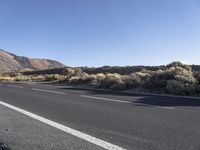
11	62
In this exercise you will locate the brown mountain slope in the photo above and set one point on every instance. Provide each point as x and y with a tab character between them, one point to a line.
10	62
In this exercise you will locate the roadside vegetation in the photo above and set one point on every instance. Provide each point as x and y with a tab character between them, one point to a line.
175	78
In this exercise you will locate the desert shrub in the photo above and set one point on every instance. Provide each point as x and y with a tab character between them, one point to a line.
83	78
91	80
83	75
197	89
175	87
110	80
197	76
184	75
68	72
22	78
186	80
38	78
75	80
142	75
158	80
10	79
176	64
132	81
78	72
118	86
25	70
15	77
175	71
53	77
178	87
100	76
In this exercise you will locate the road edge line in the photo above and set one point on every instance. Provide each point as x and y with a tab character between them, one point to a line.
66	129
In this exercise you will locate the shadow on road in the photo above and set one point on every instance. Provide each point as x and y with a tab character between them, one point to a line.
142	99
4	147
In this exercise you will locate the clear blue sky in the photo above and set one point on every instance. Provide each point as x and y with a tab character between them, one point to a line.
102	32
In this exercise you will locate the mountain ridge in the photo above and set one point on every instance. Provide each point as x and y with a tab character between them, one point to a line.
12	62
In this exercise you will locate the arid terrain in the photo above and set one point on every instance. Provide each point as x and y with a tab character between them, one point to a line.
11	62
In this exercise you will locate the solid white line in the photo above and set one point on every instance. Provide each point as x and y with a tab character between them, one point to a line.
49	91
66	129
15	86
121	101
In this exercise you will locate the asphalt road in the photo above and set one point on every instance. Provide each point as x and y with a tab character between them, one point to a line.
130	121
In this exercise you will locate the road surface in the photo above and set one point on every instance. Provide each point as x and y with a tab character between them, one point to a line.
87	119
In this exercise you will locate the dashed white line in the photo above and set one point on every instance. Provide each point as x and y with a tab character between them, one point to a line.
66	129
15	86
122	101
49	91
142	104
106	99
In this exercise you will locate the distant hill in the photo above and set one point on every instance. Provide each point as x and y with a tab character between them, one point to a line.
11	62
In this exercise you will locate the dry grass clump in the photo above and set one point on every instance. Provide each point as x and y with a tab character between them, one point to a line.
19	77
83	79
111	81
10	79
100	76
53	77
38	78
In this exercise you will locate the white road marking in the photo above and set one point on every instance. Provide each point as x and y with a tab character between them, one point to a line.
49	91
106	99
66	129
15	86
142	104
121	101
